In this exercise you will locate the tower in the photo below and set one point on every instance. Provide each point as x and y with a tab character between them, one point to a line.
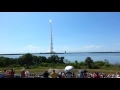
51	39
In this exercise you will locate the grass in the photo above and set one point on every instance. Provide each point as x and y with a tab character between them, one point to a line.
40	70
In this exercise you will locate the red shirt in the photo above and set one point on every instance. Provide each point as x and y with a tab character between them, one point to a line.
96	76
12	74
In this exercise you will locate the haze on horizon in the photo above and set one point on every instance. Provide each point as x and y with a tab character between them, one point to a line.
29	32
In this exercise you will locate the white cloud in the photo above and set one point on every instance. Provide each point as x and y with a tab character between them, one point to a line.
83	48
70	49
32	49
25	49
66	48
92	47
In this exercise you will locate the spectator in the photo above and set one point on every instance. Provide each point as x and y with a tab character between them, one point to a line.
27	74
12	72
5	73
60	75
85	75
23	73
46	74
80	75
68	74
73	75
96	75
54	74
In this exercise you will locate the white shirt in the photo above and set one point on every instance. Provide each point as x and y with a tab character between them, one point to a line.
118	76
26	73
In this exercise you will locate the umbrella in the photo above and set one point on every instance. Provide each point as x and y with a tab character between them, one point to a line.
69	68
82	71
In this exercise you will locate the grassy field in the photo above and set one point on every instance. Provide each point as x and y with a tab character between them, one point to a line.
40	70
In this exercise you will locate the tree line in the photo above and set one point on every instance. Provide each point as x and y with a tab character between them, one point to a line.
28	60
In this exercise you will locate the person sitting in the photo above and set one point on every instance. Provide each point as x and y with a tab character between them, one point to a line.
68	74
27	74
80	75
63	75
46	74
5	73
54	74
60	75
12	72
85	75
73	75
23	73
8	73
96	75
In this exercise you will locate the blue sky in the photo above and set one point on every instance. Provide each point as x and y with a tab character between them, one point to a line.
23	32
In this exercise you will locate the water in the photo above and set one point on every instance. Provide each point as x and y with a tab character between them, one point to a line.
111	57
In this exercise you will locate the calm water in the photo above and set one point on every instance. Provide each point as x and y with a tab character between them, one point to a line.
111	57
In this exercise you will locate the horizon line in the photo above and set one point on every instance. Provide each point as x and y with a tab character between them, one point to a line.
56	53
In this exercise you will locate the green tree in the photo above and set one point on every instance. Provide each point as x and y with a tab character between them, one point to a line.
89	62
53	59
43	59
99	63
36	60
76	61
61	60
28	59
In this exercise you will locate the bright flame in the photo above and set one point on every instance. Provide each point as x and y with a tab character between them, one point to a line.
50	20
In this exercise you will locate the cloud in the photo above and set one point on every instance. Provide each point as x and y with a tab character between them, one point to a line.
70	49
25	49
92	47
31	48
82	48
66	48
37	49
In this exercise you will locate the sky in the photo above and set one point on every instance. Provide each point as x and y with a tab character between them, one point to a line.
29	32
